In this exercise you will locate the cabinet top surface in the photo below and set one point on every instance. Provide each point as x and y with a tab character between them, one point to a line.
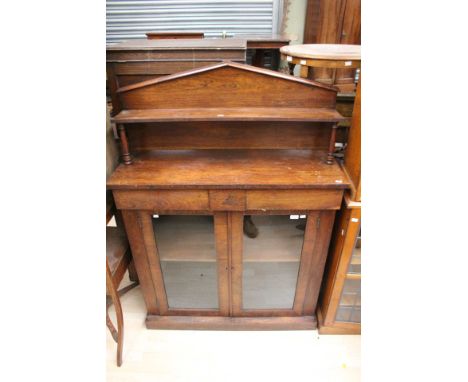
229	169
172	44
324	51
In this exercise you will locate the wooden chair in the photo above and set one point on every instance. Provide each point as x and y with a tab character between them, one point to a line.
118	258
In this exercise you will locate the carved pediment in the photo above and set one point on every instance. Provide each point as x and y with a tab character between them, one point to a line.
227	85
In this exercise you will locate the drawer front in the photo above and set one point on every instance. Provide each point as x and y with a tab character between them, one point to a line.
228	200
190	200
293	199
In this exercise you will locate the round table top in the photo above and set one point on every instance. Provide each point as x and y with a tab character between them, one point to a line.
323	51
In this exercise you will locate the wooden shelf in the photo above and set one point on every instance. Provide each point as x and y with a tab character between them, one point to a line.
286	114
225	169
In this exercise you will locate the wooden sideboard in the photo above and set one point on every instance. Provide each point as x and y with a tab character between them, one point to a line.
205	149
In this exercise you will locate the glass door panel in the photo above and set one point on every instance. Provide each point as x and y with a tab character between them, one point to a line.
187	253
271	260
349	308
355	263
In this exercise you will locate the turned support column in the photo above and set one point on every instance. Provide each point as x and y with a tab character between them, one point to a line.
331	147
126	157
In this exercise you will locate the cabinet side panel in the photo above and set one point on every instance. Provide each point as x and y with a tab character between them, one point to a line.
352	160
140	257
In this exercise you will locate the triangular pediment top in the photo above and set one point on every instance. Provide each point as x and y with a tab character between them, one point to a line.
227	64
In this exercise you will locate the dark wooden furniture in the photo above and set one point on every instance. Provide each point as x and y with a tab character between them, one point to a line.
259	45
333	22
134	61
339	310
174	35
266	45
201	150
118	258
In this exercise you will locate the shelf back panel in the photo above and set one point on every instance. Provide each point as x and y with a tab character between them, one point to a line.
230	135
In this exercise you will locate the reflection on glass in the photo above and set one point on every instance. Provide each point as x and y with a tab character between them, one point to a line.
349	309
271	262
186	246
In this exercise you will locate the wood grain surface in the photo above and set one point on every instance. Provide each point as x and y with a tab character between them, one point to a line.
227	169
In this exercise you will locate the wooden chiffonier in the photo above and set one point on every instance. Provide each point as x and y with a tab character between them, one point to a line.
207	153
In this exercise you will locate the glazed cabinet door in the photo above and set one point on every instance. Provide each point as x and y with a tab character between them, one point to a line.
188	262
278	272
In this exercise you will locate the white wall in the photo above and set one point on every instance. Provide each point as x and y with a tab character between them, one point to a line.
296	20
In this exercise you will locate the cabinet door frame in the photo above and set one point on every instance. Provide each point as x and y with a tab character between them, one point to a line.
312	261
222	261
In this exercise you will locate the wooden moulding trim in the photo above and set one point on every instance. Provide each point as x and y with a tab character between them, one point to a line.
231	323
224	64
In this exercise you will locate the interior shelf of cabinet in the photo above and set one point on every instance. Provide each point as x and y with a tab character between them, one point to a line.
287	114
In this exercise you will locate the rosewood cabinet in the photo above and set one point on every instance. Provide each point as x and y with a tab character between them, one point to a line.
203	151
